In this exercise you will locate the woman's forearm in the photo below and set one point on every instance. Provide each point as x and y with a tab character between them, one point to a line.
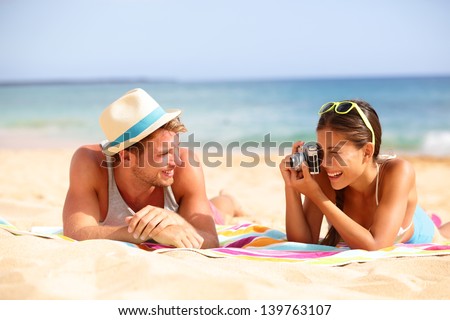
297	228
354	235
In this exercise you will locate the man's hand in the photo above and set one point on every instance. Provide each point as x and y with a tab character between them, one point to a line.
165	227
177	236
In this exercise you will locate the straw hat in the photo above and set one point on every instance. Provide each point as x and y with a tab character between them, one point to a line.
131	118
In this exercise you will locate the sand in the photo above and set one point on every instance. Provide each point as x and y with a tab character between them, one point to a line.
33	185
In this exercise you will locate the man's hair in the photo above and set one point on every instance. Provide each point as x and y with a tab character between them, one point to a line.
174	125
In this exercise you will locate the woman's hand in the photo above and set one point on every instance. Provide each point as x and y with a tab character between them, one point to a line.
286	171
300	181
304	183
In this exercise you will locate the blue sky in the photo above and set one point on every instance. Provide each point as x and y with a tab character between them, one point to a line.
196	40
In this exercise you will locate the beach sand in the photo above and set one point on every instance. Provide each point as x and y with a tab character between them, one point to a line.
33	185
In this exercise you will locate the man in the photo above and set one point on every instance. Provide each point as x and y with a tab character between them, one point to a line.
139	186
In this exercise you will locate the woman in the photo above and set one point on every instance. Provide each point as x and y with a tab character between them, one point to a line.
369	202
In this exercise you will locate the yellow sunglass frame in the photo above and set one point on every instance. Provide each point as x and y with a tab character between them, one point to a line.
334	106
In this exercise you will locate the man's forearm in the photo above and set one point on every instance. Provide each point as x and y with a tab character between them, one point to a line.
210	240
204	225
209	235
102	232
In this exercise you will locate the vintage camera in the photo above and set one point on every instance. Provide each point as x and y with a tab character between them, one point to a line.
311	153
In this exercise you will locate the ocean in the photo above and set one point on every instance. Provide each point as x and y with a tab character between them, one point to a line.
414	112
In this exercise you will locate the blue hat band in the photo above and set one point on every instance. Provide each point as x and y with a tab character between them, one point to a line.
139	127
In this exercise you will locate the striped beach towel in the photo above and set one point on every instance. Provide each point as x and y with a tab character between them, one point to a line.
261	243
256	242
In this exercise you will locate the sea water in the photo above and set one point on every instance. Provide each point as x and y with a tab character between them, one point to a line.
414	112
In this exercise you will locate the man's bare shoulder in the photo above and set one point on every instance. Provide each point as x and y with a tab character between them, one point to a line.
190	163
189	175
88	157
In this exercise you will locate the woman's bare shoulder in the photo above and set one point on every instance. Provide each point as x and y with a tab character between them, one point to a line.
397	168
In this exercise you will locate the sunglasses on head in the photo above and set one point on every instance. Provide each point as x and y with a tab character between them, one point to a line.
344	107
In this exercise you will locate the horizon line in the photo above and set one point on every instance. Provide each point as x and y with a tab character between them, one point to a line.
124	80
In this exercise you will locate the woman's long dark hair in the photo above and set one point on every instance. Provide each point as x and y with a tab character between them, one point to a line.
355	131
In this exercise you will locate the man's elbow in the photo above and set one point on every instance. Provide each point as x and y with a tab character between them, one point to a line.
78	235
211	242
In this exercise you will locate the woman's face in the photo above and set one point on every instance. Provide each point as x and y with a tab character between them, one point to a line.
342	161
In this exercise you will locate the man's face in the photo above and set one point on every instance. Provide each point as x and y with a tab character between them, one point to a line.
156	166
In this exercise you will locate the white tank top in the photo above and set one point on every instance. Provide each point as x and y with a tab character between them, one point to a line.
118	209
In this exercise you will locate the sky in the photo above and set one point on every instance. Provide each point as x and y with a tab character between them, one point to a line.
201	40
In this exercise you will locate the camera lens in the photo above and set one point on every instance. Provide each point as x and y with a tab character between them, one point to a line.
295	161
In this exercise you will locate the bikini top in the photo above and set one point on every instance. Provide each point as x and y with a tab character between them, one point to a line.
402	231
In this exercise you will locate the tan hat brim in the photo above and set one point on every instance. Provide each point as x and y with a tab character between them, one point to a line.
129	138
